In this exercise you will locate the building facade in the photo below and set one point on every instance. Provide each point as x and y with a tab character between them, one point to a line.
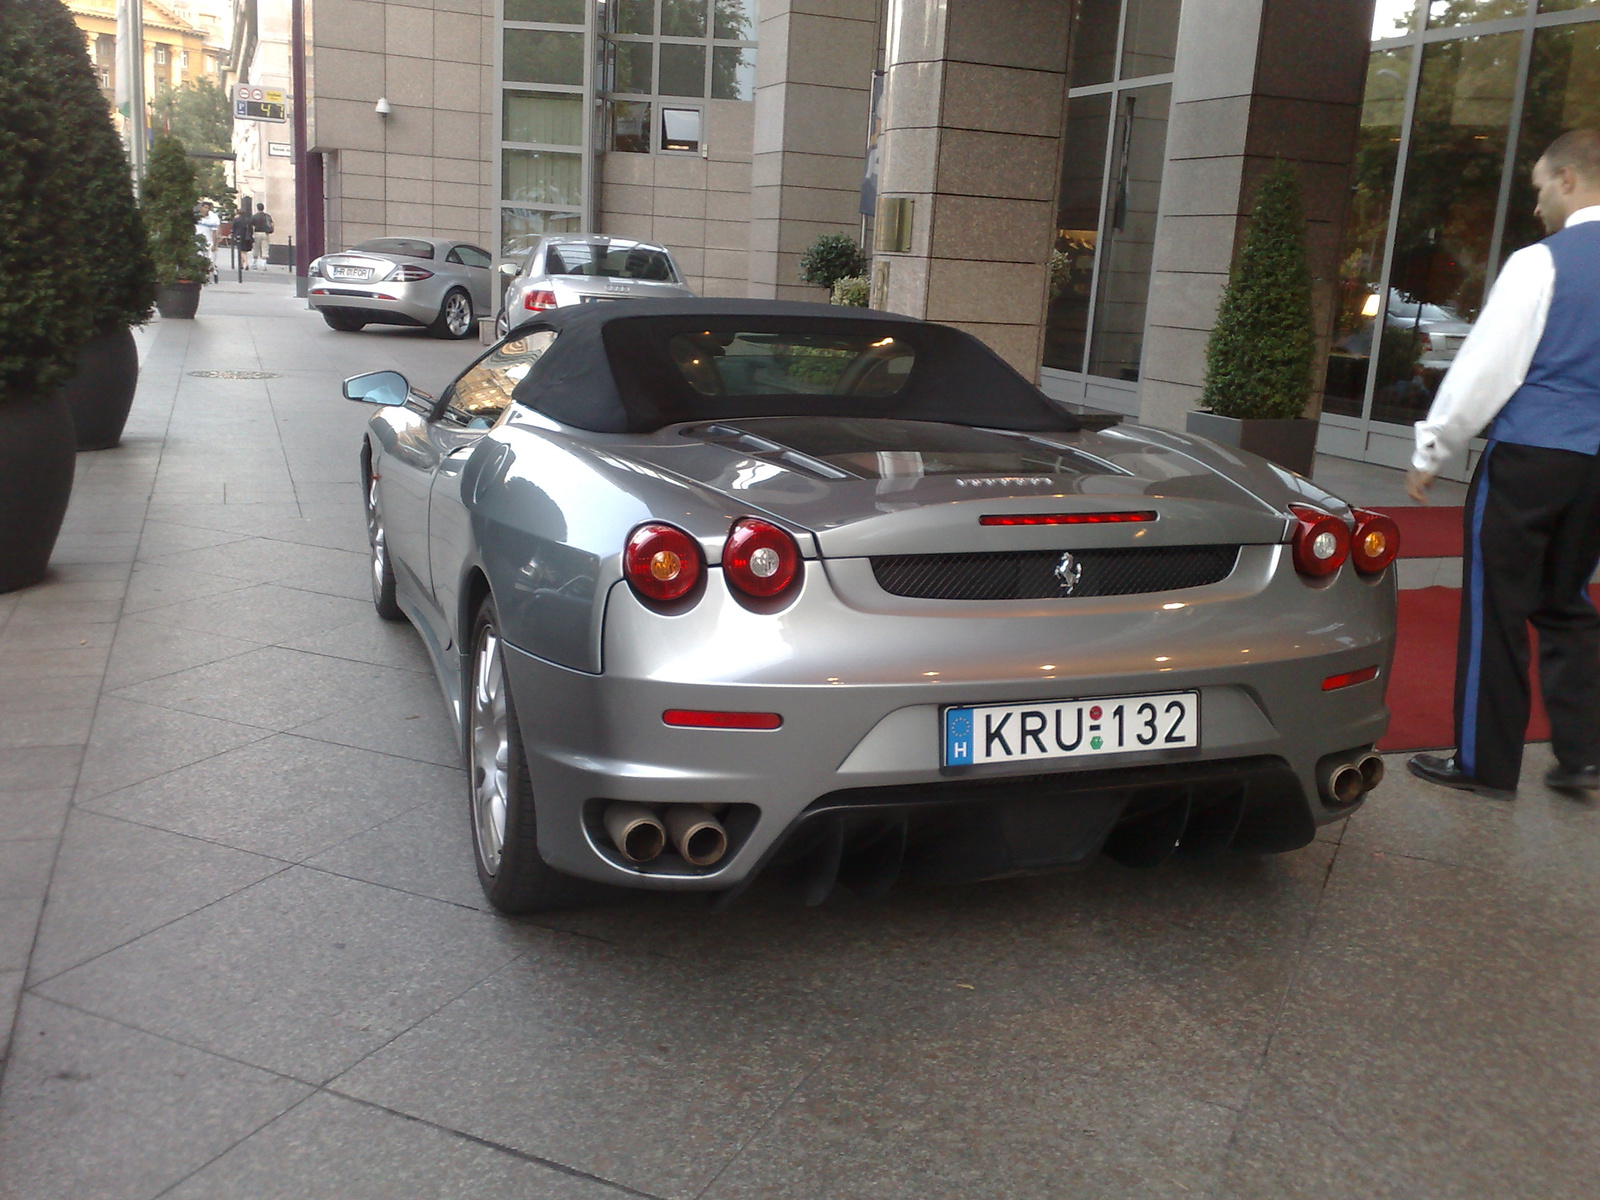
1066	178
182	44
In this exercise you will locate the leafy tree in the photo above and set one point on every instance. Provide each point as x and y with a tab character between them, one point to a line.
201	118
49	280
1258	361
853	291
832	257
168	199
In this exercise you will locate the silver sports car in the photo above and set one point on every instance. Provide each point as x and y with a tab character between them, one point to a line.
438	283
718	587
579	269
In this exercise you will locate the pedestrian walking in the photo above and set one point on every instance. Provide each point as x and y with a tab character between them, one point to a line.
1530	371
262	228
243	237
206	224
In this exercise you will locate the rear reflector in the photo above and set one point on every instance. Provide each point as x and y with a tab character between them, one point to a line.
1334	682
1092	518
694	718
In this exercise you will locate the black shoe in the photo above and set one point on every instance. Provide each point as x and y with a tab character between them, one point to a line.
1573	779
1444	772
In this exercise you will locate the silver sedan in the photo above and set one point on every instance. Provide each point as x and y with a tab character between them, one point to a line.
581	269
438	283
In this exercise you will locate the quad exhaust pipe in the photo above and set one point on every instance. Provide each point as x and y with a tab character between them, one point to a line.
1345	783
640	834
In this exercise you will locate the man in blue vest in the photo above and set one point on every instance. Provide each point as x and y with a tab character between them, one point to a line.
1531	366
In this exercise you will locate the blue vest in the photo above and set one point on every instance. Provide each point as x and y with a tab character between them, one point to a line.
1558	404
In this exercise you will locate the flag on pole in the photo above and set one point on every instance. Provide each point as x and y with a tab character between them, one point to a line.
126	64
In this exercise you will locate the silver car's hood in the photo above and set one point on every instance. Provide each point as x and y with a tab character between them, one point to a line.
843	483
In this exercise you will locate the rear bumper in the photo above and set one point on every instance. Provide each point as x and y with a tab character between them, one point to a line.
373	305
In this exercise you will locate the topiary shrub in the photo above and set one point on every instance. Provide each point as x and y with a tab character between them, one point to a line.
168	200
853	291
832	257
1258	360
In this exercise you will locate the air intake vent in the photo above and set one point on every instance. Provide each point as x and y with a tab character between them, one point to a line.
1036	574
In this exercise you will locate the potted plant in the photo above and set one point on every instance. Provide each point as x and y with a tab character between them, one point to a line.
832	257
1258	360
107	220
852	291
168	200
48	286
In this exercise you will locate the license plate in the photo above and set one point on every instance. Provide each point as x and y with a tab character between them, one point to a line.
350	272
596	299
1046	729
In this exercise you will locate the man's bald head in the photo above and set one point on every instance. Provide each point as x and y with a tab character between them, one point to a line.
1567	177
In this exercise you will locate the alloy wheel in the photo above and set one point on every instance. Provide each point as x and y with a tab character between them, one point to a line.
457	314
491	781
375	534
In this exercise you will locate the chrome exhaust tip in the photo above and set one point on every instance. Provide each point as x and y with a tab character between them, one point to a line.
1345	785
635	831
698	836
1371	768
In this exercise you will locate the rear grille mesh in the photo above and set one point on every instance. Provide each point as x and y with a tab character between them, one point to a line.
1031	574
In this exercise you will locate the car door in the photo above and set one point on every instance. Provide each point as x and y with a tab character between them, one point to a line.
478	267
477	402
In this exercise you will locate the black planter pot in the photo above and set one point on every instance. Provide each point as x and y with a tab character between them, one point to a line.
38	454
101	393
177	300
1289	443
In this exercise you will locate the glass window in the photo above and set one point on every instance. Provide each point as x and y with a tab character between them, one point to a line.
558	12
541	176
683	18
1366	230
1566	5
735	20
630	126
472	256
1464	12
767	364
733	73
1138	152
543	56
554	118
1093	46
1077	231
484	390
405	247
680	129
631	68
1149	37
611	262
635	16
683	70
1563	93
521	228
1391	18
1447	212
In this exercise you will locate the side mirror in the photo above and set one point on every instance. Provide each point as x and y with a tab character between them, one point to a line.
377	387
508	271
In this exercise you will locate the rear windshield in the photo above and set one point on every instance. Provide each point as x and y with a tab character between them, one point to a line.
405	247
582	258
775	364
880	449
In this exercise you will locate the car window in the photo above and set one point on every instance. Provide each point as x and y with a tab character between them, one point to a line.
585	258
453	256
405	247
765	364
472	256
484	391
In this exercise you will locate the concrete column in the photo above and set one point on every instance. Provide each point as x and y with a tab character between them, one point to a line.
972	137
1255	80
813	84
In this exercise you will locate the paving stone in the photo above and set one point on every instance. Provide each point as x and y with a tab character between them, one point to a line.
30	768
24	875
427	850
157	584
132	742
44	726
373	640
407	719
164	537
94	1109
33	813
303	973
265	613
144	650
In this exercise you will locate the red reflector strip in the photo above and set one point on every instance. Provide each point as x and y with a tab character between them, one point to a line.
1334	682
692	718
1097	518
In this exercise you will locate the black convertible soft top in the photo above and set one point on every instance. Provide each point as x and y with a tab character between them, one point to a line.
610	370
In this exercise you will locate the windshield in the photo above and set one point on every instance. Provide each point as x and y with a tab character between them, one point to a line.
611	262
404	247
880	449
768	364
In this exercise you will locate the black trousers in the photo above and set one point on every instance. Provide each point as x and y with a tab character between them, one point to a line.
1532	542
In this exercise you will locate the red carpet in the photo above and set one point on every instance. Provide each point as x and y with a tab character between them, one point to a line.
1422	683
1427	531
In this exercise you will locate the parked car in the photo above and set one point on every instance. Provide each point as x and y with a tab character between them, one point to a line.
575	269
439	283
717	587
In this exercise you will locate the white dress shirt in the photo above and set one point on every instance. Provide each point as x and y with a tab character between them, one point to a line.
1494	360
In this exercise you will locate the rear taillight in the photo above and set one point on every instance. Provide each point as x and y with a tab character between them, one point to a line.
410	274
1321	542
662	562
759	559
1376	541
539	301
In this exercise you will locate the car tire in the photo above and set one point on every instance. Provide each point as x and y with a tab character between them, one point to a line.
505	838
456	318
382	569
343	323
502	324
